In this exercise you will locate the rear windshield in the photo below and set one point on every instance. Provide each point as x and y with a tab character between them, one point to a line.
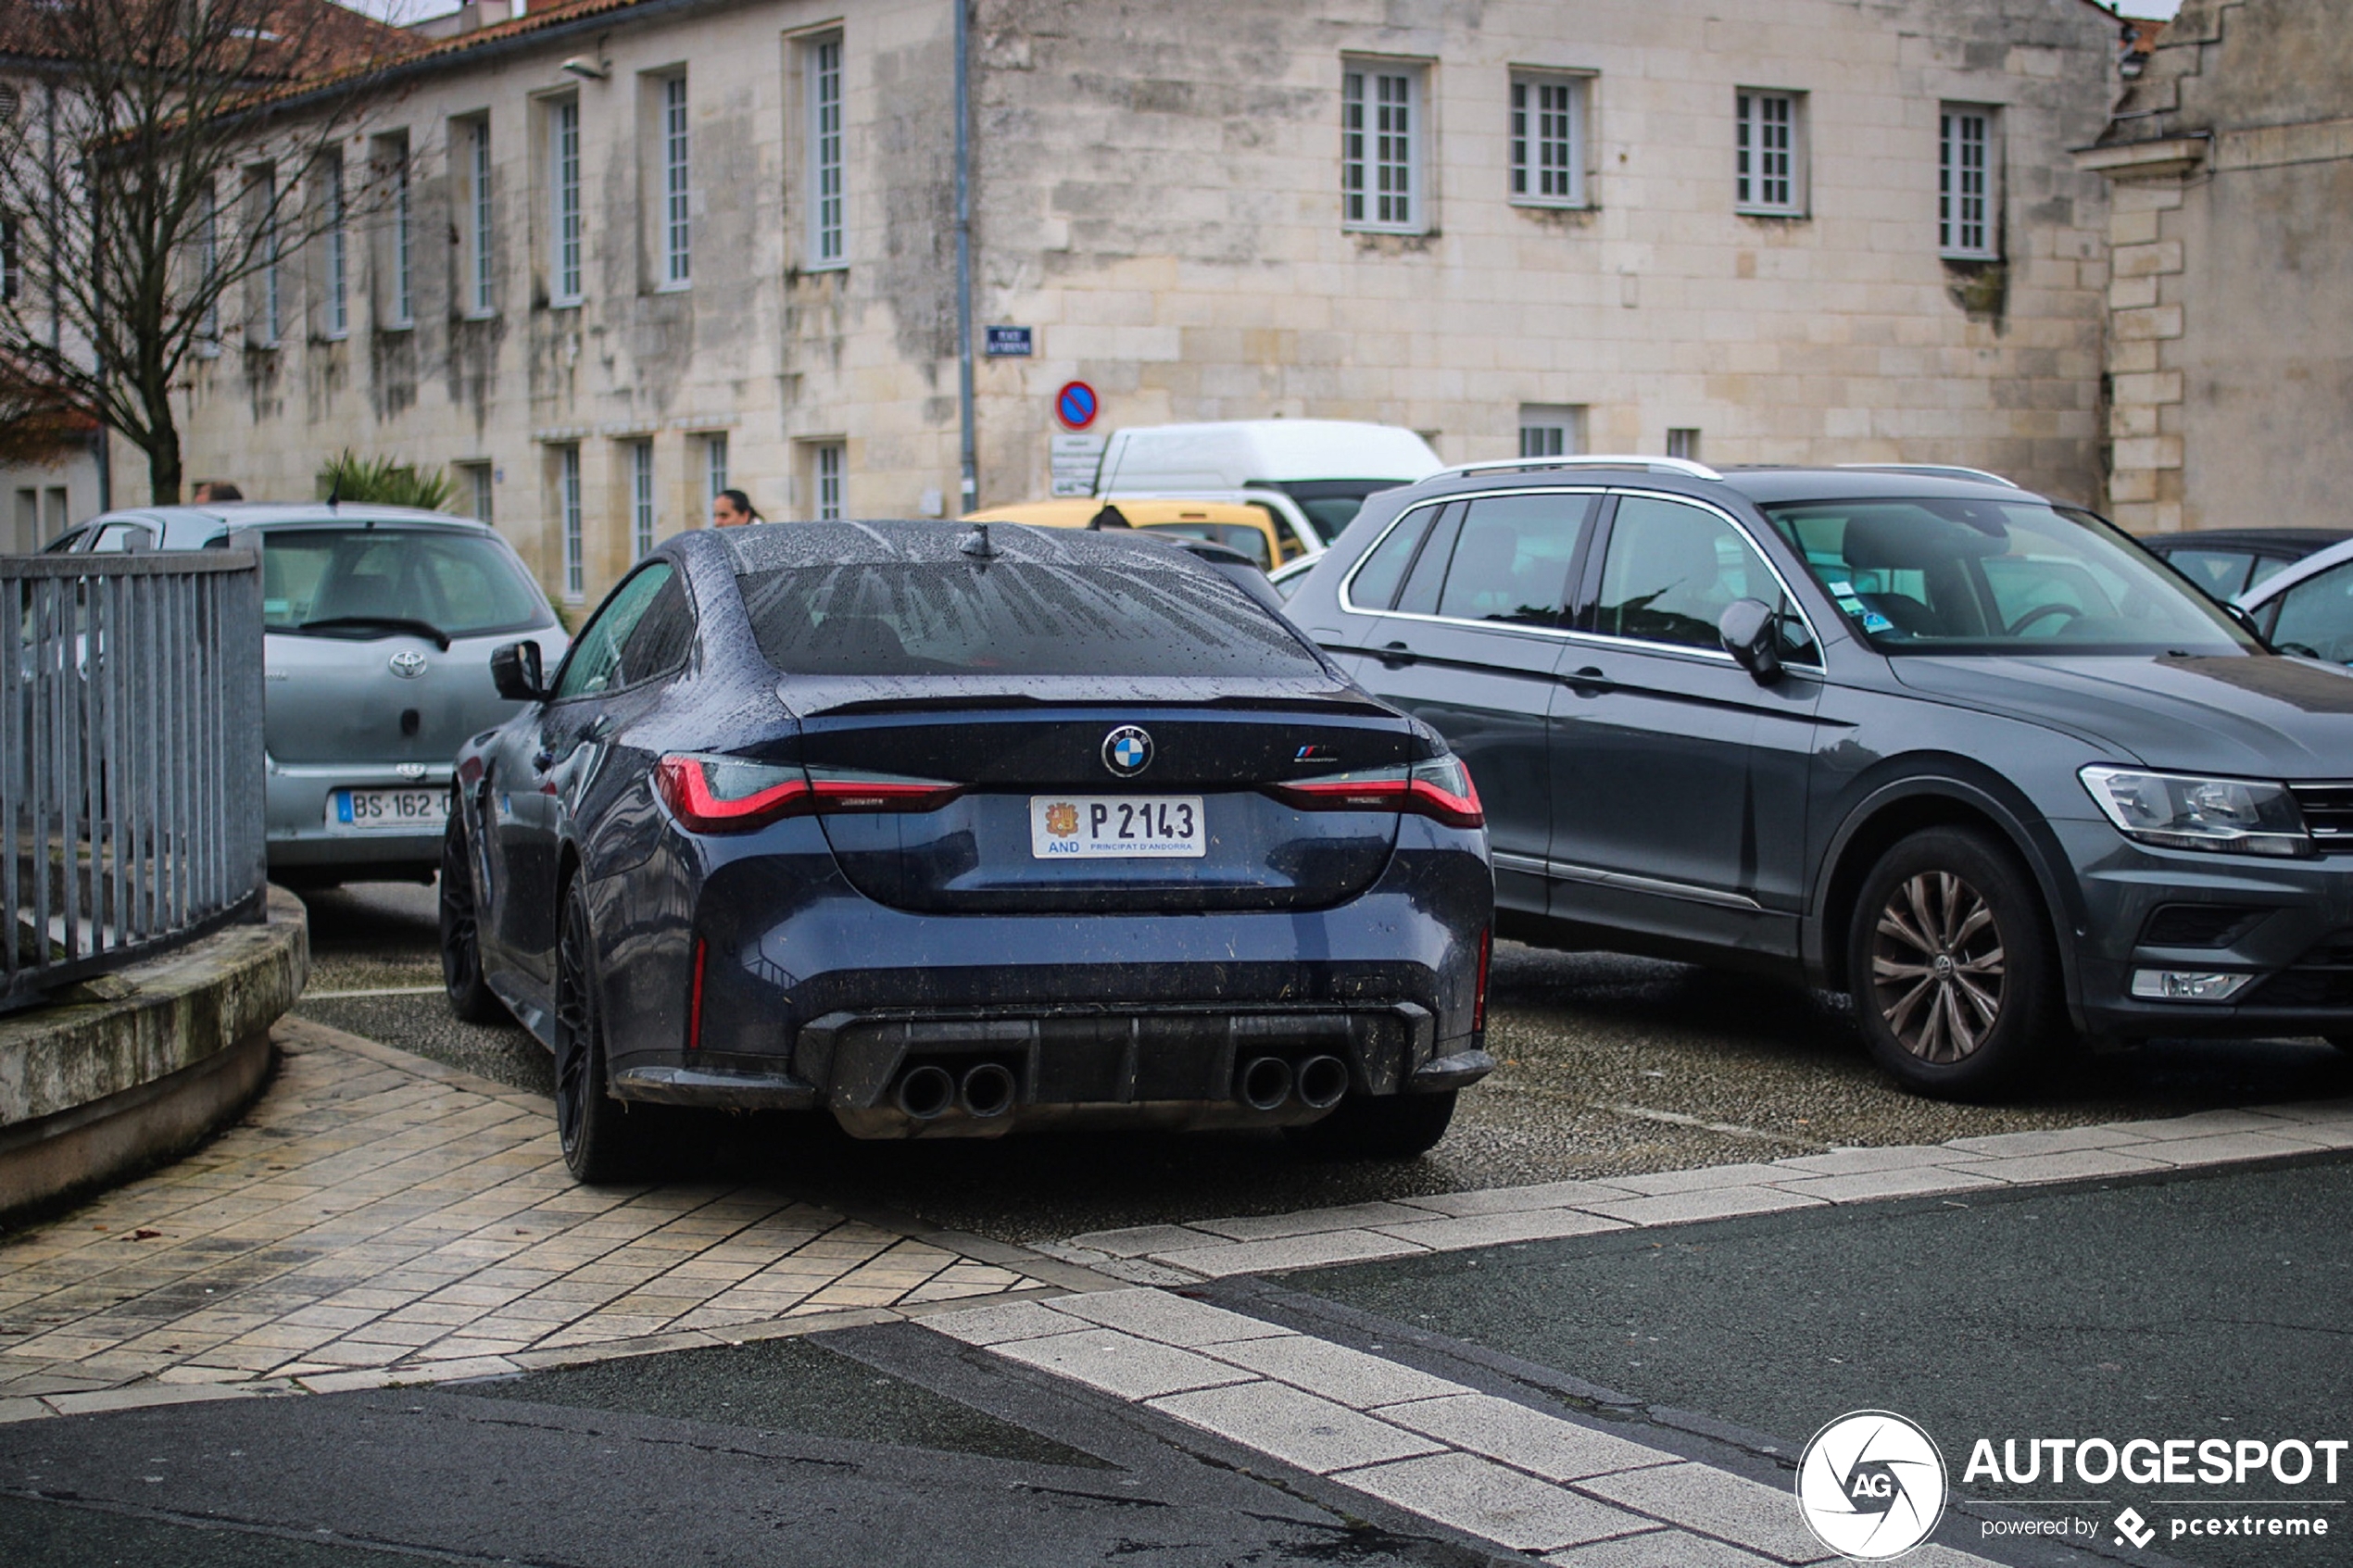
1014	618
351	582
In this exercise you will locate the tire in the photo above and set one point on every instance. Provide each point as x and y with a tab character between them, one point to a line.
469	998
1950	962
600	1143
1378	1127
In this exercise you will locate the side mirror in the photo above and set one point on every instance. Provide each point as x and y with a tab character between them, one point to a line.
514	670
1751	629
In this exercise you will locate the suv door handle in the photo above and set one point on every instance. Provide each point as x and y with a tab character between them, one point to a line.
1394	656
1591	680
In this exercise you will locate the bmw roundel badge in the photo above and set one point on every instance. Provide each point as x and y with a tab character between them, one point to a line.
1127	751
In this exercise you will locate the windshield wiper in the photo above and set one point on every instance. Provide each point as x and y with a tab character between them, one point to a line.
424	629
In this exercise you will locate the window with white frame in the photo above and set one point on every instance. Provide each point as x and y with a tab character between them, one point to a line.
827	466
568	499
208	258
1548	140
675	170
1551	429
1967	183
1381	147
268	293
397	303
714	466
564	227
334	290
481	297
824	96
1769	162
641	498
478	495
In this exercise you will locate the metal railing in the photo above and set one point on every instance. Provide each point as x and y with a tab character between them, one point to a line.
131	758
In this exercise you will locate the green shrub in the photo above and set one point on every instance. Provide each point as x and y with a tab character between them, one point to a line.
385	481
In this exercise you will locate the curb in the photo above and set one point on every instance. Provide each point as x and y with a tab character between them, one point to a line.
93	1091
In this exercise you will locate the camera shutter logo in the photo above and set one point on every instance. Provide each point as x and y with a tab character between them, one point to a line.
1871	1486
1127	751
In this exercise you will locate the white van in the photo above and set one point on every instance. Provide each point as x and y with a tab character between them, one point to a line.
1327	467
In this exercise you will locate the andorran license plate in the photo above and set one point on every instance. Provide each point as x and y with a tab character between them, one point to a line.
1105	827
388	811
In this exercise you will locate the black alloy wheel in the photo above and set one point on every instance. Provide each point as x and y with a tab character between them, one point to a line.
469	998
600	1144
1378	1127
1949	959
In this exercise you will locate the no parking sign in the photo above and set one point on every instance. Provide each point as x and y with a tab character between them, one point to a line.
1075	404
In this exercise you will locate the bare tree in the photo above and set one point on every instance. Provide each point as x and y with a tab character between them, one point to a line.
169	158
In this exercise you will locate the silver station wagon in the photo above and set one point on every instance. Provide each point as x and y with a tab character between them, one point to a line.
378	624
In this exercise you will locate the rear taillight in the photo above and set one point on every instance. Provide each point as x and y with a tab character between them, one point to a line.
1440	787
724	794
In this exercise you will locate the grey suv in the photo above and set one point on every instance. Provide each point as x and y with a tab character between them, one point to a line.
1964	752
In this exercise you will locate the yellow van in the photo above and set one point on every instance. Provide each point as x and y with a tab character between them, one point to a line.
1233	524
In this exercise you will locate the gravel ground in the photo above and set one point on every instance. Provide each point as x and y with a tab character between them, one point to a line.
1611	1065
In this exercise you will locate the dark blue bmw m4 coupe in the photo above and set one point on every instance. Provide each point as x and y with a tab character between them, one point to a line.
946	831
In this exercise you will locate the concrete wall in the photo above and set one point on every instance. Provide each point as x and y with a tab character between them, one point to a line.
2232	335
1161	197
1158	197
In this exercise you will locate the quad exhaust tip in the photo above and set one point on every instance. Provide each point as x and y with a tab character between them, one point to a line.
926	1092
1265	1082
1321	1080
988	1091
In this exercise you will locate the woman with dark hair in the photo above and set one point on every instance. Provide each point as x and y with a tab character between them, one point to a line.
733	508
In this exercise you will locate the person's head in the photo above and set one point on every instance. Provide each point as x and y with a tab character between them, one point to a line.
215	490
732	508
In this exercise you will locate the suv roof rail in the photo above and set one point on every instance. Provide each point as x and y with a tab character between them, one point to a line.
1951	470
1683	465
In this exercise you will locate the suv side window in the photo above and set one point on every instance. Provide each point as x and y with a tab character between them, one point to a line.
595	663
1672	569
1375	586
1512	560
1422	584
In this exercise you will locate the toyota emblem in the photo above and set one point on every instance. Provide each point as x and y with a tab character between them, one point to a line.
413	772
407	664
1127	751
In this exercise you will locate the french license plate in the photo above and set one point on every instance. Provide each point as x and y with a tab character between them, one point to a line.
377	810
1105	827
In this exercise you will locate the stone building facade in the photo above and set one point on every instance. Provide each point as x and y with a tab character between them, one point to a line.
647	243
2231	320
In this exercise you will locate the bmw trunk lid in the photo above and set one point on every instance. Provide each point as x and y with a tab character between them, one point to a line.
1085	807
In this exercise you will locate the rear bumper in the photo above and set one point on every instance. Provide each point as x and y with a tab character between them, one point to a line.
301	838
817	997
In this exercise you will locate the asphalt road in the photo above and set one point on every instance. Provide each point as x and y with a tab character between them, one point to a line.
1611	1065
2193	1306
880	1447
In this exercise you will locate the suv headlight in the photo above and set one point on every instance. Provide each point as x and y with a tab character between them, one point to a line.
2187	811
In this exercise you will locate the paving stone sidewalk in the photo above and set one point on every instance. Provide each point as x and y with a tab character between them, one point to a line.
378	1217
1497	1216
1492	1468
